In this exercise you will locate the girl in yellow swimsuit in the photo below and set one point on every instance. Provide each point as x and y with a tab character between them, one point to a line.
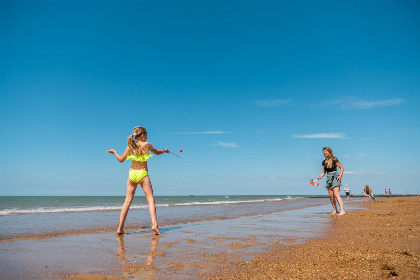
138	151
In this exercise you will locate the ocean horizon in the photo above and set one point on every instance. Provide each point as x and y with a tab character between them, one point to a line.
19	205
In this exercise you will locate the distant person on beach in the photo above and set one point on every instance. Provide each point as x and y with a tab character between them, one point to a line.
389	191
333	181
138	151
386	192
347	190
367	191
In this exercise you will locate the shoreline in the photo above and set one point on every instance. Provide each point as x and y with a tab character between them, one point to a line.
182	251
46	225
373	241
382	241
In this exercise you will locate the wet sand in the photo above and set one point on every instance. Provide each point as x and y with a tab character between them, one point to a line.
183	251
381	242
375	243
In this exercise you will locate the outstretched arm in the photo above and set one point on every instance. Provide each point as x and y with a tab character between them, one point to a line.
122	157
341	171
322	174
156	151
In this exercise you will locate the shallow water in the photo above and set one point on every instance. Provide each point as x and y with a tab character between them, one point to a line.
194	239
29	216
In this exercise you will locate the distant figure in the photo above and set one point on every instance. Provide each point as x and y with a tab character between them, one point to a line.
138	151
389	191
367	191
386	192
333	181
348	192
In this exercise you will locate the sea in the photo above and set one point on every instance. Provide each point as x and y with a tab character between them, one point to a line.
38	216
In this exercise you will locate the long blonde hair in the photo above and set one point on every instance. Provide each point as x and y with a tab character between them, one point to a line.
133	142
331	158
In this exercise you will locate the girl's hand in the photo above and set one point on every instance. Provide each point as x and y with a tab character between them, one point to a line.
165	150
111	151
339	178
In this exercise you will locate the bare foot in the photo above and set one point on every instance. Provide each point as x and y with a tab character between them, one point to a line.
342	213
156	229
333	213
119	232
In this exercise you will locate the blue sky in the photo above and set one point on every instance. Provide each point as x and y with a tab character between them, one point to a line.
250	90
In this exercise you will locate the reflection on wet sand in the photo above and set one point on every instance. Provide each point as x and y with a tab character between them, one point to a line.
146	270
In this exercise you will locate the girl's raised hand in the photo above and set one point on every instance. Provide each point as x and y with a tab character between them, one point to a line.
111	151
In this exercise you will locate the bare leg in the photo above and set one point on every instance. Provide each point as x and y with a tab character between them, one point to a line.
148	191
331	194
336	191
131	190
153	248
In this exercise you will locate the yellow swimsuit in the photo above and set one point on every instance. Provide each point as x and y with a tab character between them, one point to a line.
137	175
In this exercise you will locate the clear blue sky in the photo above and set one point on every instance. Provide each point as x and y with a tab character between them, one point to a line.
250	90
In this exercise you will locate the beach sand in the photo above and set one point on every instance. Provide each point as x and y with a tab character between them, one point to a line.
379	242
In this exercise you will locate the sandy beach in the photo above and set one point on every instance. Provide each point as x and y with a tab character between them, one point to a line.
379	242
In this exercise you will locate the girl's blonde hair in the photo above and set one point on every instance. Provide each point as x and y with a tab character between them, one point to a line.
132	140
331	158
367	186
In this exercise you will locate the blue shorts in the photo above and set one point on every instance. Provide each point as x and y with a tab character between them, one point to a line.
332	180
